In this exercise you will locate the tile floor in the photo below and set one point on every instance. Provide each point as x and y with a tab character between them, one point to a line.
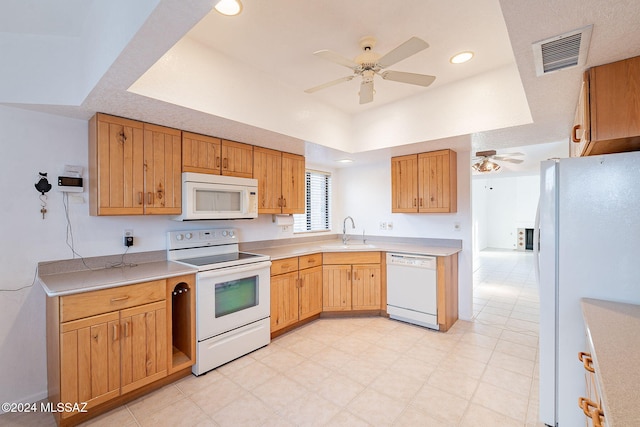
371	371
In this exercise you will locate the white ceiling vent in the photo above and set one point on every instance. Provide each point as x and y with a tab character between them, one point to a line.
564	51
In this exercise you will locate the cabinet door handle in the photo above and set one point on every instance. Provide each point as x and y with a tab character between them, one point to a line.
586	360
301	283
115	332
225	163
140	197
420	201
588	407
574	133
149	198
595	416
284	202
126	328
217	162
348	275
124	298
415	202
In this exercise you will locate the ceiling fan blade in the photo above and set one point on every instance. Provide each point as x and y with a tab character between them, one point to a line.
508	155
329	84
366	92
336	58
411	78
405	50
507	159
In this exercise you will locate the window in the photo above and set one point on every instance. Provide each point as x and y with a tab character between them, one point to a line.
317	215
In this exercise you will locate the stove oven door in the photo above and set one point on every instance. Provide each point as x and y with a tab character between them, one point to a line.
231	297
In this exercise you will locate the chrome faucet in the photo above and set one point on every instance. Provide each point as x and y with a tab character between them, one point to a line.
344	229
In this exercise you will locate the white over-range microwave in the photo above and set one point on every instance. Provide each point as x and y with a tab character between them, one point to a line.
206	196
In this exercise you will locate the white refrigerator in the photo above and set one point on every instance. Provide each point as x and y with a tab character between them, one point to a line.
589	246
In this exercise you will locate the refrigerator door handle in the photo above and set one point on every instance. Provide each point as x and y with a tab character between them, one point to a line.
536	244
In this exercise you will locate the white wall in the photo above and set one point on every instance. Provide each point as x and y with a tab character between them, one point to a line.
365	195
501	205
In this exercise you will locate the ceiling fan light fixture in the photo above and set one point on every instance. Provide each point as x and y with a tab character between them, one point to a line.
229	7
461	57
485	166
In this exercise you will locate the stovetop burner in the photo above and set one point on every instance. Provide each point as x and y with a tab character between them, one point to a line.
217	259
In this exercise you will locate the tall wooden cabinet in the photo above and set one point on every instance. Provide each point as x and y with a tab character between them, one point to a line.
296	290
134	168
351	281
608	113
281	181
425	182
206	154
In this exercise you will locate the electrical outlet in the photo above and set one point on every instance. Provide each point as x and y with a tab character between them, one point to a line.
128	237
390	225
383	225
456	226
285	228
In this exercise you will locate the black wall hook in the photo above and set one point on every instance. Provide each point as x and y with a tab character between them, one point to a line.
43	185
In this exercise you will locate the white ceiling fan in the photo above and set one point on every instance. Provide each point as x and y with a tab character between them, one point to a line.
484	160
370	63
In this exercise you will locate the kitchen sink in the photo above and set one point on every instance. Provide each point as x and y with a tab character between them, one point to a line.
348	247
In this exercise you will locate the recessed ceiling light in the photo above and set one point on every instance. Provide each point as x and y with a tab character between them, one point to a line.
461	57
344	161
229	7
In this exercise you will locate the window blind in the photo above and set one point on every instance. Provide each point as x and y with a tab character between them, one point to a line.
317	216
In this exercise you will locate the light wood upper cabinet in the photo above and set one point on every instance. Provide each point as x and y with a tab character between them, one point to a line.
237	159
425	182
404	183
134	168
281	181
162	170
612	108
206	154
116	166
293	184
437	181
580	133
201	153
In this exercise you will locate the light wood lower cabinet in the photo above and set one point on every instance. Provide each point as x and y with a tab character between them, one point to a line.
296	290
104	344
352	281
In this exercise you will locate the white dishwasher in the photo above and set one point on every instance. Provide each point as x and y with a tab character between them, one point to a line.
412	294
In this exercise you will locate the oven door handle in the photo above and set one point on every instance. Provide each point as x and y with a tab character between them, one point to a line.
233	270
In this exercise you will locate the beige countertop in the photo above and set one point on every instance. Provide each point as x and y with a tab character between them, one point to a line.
613	330
298	249
72	276
73	282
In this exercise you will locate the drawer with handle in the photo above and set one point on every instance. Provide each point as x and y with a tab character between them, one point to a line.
286	265
86	304
308	261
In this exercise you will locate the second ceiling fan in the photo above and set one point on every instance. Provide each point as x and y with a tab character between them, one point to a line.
370	63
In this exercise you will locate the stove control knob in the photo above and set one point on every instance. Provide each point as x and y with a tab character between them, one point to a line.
231	233
188	236
224	233
179	237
